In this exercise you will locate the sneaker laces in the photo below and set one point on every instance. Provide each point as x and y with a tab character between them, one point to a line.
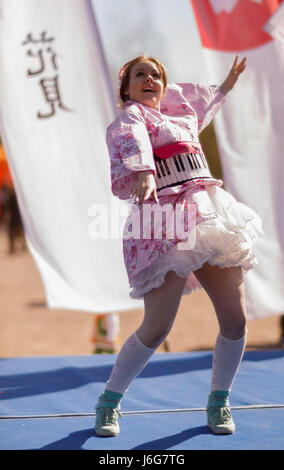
221	414
109	415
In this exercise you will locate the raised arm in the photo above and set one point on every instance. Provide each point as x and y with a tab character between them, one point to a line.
234	73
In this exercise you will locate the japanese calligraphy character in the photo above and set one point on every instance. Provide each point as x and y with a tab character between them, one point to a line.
52	96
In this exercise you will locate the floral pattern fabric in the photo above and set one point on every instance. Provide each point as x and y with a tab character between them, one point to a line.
185	110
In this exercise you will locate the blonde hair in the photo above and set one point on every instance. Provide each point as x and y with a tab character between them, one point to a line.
124	74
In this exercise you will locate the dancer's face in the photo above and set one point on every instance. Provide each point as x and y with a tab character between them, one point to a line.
146	84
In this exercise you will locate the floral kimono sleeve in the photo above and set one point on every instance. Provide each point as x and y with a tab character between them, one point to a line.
130	150
206	100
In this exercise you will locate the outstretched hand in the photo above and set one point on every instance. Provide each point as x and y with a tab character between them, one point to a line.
233	75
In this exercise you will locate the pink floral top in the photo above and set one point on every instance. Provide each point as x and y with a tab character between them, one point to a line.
185	111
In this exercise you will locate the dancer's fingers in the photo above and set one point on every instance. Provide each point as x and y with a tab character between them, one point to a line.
236	60
155	196
147	194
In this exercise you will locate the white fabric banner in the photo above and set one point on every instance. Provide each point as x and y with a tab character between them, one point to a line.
275	25
250	130
56	102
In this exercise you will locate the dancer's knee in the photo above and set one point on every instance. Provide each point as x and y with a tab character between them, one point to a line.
154	336
233	325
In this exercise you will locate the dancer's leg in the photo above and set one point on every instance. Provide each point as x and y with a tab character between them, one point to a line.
226	290
161	306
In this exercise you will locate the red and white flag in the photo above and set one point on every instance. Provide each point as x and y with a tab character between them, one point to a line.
250	127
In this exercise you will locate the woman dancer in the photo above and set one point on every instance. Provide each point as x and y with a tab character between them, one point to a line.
156	159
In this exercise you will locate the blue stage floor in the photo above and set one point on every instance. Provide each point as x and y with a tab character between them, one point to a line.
47	403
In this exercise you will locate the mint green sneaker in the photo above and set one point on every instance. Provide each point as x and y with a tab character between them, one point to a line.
107	414
219	418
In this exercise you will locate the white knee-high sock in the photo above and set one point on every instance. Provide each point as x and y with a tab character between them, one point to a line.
131	360
227	357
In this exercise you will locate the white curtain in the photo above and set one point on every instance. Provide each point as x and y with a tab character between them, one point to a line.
250	129
56	101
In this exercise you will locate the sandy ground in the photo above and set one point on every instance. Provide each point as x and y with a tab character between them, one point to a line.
29	328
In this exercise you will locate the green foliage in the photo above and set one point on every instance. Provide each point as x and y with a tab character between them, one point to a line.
210	147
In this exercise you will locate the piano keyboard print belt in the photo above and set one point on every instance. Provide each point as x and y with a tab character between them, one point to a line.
178	163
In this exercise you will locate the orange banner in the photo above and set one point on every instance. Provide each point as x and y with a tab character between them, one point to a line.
5	175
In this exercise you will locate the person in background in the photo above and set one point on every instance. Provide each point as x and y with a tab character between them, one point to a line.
12	219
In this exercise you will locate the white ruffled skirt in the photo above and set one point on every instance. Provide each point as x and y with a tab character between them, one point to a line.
226	240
